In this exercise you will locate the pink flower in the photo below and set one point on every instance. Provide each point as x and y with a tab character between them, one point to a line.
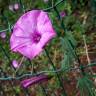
34	80
3	35
15	64
62	14
31	33
16	6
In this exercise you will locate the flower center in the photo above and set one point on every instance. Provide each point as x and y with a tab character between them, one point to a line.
36	37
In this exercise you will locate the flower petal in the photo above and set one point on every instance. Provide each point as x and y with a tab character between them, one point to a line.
28	21
46	38
44	24
30	51
33	80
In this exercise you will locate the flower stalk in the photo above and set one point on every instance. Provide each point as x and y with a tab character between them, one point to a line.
43	89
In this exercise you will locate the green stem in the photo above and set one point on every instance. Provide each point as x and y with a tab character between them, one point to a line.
6	53
22	6
77	58
52	7
11	83
43	89
65	30
60	80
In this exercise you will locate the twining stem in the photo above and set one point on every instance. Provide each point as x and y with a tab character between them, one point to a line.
11	83
5	52
16	73
44	72
22	6
65	30
77	58
50	8
33	71
59	79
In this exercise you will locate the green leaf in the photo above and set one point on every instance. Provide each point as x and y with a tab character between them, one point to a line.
67	47
71	38
86	86
66	63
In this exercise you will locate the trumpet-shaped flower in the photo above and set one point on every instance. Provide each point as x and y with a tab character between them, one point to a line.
31	33
35	80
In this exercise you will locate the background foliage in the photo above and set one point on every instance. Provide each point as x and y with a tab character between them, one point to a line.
75	42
